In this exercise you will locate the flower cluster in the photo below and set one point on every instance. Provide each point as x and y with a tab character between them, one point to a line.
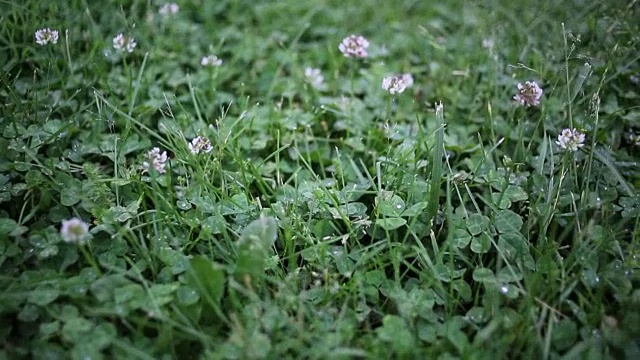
397	84
124	43
570	140
529	94
314	77
210	60
169	9
354	46
45	36
200	144
74	230
156	159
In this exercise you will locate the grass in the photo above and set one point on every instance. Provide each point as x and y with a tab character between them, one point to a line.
337	221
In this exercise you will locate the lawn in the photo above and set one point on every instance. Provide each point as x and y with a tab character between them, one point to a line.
319	179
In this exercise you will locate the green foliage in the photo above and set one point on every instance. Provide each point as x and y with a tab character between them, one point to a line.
331	220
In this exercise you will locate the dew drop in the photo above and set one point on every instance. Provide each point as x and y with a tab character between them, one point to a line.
504	289
398	206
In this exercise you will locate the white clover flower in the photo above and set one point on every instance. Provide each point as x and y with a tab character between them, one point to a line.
314	77
200	144
156	159
354	46
46	35
74	230
210	60
488	43
169	9
529	94
408	79
570	140
397	84
124	43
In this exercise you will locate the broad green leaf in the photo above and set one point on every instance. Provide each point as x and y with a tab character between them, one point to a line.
206	278
460	238
477	315
49	328
391	223
187	295
564	335
507	221
506	275
415	209
515	193
477	223
443	272
255	246
355	209
71	191
484	275
508	290
456	336
260	234
396	332
392	206
501	200
513	245
103	288
462	288
43	295
76	330
7	226
481	244
375	278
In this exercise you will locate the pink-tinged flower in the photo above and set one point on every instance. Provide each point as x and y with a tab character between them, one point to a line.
210	60
314	77
74	230
169	9
529	94
397	84
570	140
408	79
200	144
354	46
156	159
124	43
45	36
